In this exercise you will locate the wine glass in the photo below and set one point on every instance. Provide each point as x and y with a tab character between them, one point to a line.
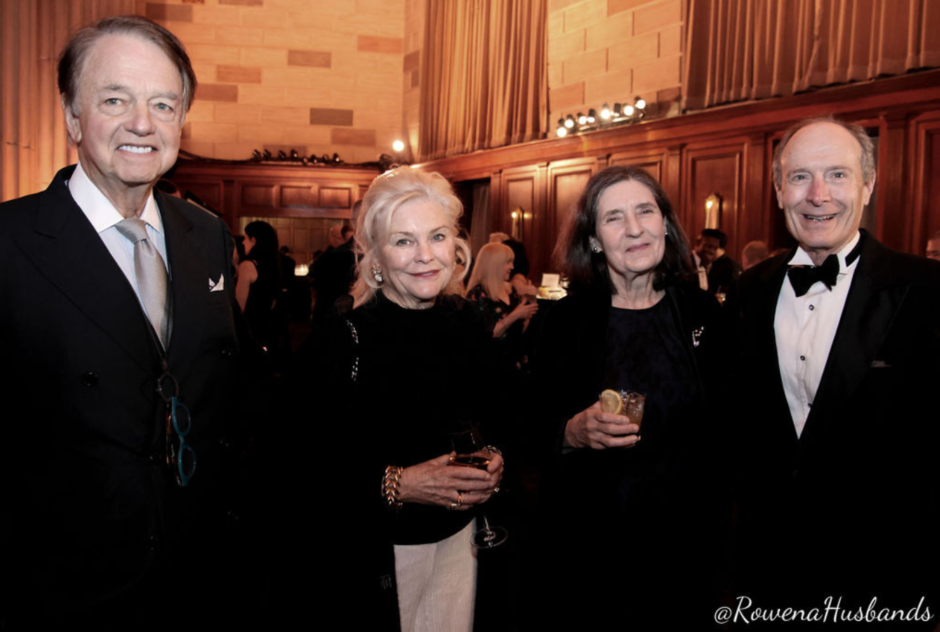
470	451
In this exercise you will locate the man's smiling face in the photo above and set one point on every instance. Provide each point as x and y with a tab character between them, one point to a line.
822	190
128	115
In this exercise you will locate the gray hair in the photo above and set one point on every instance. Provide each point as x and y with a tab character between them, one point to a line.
857	131
73	57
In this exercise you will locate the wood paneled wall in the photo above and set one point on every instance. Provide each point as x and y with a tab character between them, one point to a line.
274	191
727	151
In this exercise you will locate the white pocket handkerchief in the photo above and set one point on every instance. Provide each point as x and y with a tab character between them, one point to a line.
217	287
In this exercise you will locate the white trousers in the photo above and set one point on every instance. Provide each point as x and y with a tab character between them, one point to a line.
437	584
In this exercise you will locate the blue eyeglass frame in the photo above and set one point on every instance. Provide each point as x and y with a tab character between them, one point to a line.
182	477
175	459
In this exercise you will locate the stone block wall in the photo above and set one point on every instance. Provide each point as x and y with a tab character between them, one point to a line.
612	51
316	76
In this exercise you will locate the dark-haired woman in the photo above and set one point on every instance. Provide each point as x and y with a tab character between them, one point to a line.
627	512
259	281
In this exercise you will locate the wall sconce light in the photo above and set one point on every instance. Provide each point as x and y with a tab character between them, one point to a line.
712	210
519	217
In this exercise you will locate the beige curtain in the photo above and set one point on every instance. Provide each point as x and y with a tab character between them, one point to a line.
32	132
752	49
484	80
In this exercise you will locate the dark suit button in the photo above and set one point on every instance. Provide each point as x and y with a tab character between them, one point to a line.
152	542
812	307
803	358
228	352
90	379
156	458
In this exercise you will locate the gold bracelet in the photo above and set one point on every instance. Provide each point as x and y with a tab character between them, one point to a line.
390	488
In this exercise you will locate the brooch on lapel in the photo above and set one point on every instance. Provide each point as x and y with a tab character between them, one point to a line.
697	336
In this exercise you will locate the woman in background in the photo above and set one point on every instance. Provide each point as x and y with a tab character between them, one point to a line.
259	281
505	312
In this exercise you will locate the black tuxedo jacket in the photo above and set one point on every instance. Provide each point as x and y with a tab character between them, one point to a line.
851	507
90	516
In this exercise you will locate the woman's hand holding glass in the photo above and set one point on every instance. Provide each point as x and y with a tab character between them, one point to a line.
524	312
438	482
593	428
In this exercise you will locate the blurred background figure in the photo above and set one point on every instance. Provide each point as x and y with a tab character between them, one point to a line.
505	312
722	269
933	246
753	253
519	276
333	273
258	291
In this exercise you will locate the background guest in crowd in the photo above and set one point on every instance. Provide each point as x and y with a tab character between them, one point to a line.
519	275
933	246
259	282
622	513
721	269
394	371
753	253
333	274
505	312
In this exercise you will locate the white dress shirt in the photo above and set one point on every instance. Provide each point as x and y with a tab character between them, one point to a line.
700	271
805	327
104	218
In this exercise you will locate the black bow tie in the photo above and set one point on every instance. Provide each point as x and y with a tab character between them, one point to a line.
803	277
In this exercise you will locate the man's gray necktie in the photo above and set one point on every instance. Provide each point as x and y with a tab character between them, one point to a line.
151	275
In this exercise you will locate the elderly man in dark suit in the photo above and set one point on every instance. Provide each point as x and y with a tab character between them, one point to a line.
118	342
836	439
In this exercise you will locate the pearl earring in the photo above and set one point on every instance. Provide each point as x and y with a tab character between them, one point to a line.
377	273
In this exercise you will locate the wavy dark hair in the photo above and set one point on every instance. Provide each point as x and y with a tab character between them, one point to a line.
587	270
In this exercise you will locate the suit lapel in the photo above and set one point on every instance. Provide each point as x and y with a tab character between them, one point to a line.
65	247
189	285
869	309
765	311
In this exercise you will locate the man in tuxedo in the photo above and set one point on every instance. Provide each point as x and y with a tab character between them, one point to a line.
119	346
835	441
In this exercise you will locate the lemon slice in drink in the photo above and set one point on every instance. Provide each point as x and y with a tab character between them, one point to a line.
611	402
